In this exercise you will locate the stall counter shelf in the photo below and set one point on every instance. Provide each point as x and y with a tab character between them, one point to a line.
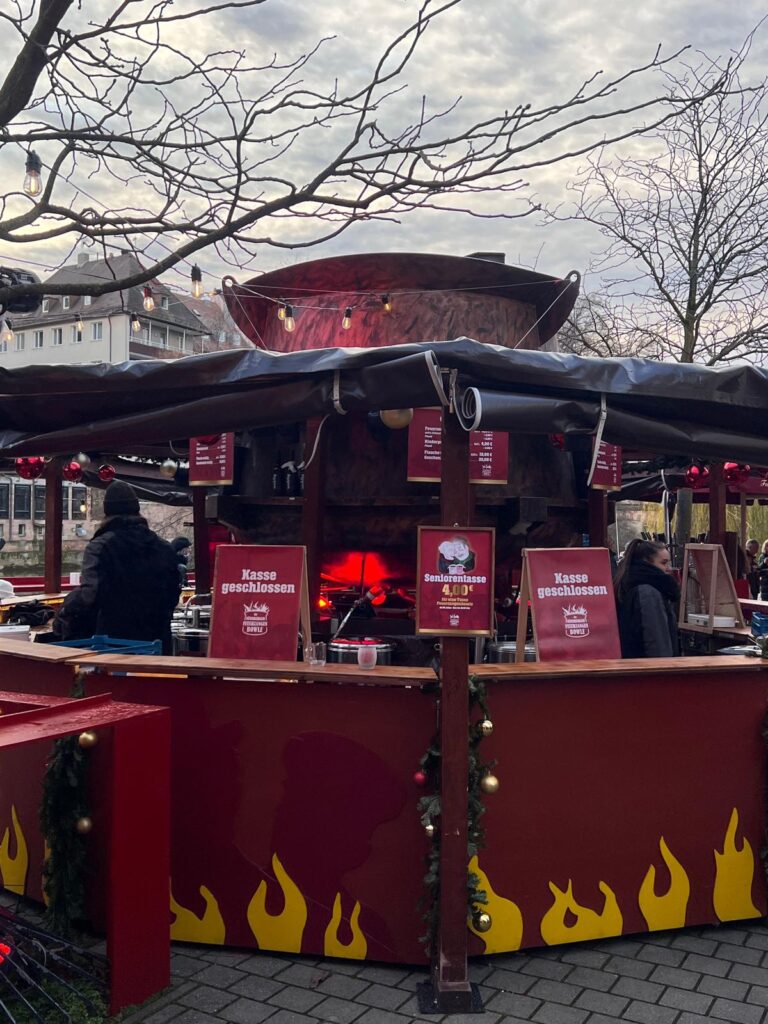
631	796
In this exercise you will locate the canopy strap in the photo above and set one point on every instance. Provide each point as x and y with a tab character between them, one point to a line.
598	437
336	395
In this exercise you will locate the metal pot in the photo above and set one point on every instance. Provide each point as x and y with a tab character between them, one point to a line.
344	651
190	642
505	651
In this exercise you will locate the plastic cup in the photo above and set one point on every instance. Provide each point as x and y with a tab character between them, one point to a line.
366	656
317	653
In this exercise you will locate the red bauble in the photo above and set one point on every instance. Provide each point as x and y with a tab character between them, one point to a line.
731	472
557	441
208	439
420	778
24	469
73	472
693	476
106	474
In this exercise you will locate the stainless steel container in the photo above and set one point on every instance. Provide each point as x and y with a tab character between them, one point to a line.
190	642
343	651
504	651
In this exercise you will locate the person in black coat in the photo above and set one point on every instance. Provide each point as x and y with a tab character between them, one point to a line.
647	598
130	581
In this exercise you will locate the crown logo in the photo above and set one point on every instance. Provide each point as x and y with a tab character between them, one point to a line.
255	619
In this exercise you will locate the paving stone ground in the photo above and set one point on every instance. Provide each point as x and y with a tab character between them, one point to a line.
682	977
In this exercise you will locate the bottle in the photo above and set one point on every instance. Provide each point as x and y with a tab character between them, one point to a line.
277	478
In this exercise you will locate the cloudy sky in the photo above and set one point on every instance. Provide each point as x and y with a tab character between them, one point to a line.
494	54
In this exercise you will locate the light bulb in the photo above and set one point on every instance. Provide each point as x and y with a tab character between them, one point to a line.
33	184
386	302
281	311
289	323
197	282
346	323
135	323
7	332
149	302
83	507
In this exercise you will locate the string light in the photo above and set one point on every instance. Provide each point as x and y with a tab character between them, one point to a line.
281	311
386	302
135	323
33	184
346	322
7	335
149	301
289	323
197	282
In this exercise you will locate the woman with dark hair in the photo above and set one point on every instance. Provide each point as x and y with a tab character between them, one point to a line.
647	596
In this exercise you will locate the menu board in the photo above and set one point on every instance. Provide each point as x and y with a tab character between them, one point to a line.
607	474
488	451
454	582
572	604
259	602
212	460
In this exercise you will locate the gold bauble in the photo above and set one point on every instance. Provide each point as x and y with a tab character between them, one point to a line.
396	419
169	468
87	739
84	826
486	727
430	830
82	459
489	784
482	922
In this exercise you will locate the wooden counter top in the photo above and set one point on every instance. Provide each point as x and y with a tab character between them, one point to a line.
622	666
43	652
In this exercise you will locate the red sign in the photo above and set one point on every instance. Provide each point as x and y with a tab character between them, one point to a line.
607	474
259	595
488	451
212	460
454	588
572	603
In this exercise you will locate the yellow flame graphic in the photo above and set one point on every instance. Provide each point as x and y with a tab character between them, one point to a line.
506	932
284	931
188	927
588	925
668	909
333	946
734	871
14	869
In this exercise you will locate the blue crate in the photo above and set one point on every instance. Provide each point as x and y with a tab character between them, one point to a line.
111	645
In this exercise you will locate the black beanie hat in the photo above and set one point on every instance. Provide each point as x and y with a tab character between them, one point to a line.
120	500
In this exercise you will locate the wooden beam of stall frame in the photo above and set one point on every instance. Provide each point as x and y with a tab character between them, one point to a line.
200	541
717	499
53	525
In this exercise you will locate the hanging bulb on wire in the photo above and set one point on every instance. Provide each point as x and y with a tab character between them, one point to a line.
281	311
135	323
197	282
149	301
7	335
386	302
346	322
289	323
33	184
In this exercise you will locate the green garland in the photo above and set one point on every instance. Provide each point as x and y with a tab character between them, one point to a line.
65	801
430	806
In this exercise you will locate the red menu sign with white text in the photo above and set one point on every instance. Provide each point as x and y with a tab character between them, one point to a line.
488	451
607	475
572	603
454	580
259	602
212	460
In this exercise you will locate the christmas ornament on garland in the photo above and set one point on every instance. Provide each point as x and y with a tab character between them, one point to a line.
489	784
734	473
106	474
486	727
82	459
429	830
482	922
420	778
396	419
72	471
557	441
208	439
169	468
84	825
87	739
30	468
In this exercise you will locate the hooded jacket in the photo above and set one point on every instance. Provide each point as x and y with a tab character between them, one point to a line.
648	613
129	586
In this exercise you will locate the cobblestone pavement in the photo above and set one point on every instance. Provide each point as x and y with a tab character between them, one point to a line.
683	977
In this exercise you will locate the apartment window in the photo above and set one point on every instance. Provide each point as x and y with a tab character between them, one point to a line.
97	330
39	501
79	502
58	336
22	501
46	305
2	529
39	531
38	342
163	302
20	341
5	501
3	346
21	529
87	300
65	302
77	336
66	493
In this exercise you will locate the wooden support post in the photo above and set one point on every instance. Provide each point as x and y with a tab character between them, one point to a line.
743	521
451	989
716	504
313	510
597	514
200	545
53	526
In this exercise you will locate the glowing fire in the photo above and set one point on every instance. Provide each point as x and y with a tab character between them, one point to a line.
14	869
734	871
668	909
188	927
589	924
284	931
357	947
506	932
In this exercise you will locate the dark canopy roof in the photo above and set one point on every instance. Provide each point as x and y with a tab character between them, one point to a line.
686	410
